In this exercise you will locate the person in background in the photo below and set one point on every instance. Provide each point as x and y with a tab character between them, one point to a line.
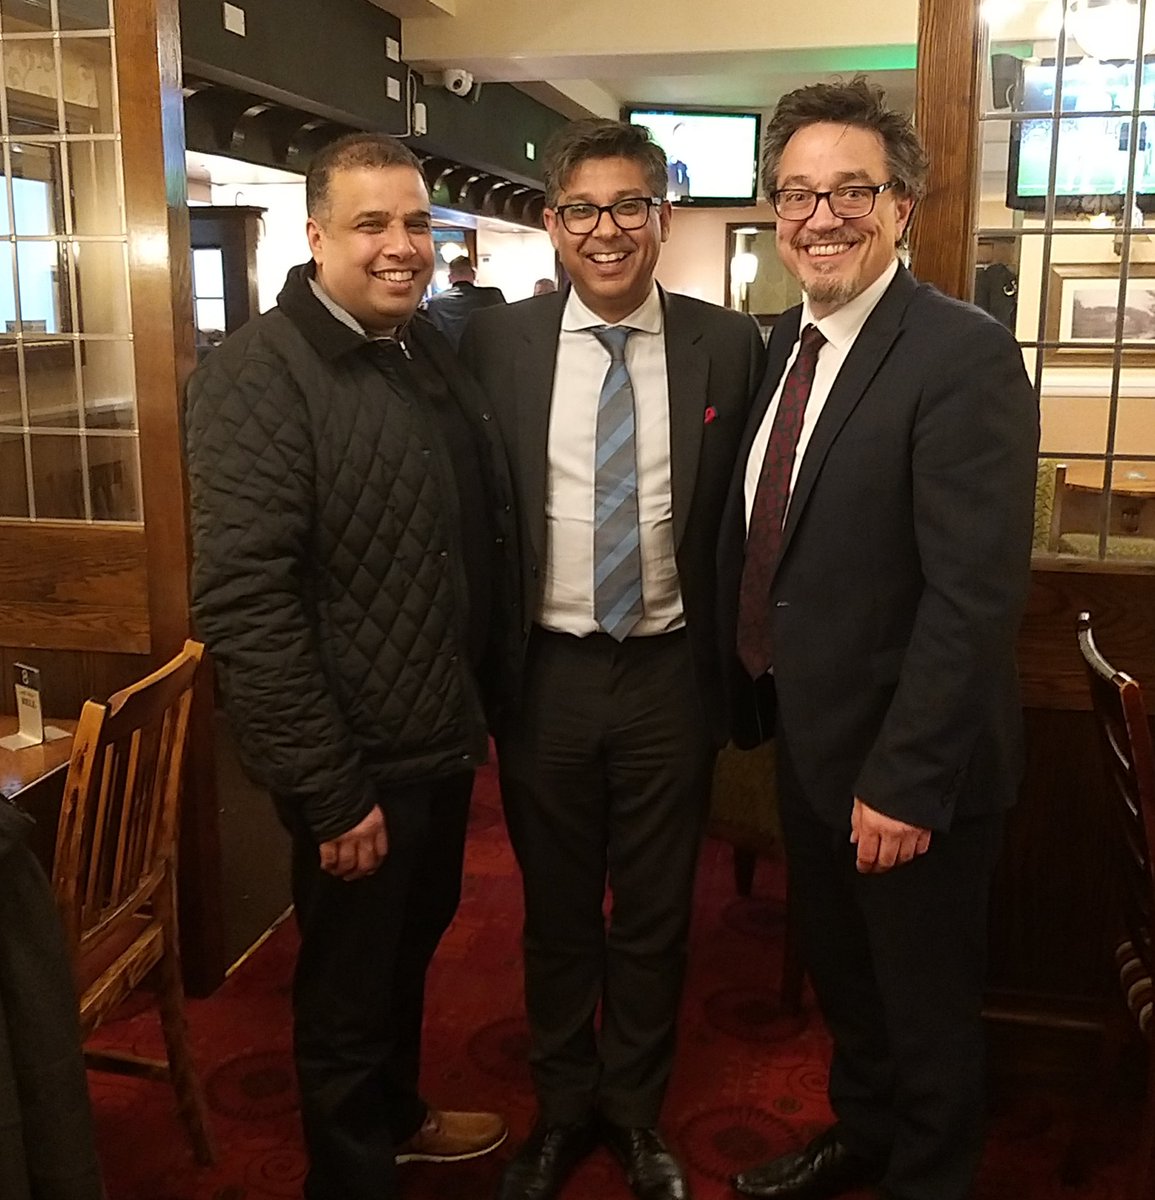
450	309
874	565
620	406
543	287
677	172
347	505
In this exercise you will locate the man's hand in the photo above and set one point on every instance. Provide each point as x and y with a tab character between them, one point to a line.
360	851
882	841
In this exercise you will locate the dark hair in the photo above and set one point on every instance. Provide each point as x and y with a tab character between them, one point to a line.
348	153
461	266
597	137
855	103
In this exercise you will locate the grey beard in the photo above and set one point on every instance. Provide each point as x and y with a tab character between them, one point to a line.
834	291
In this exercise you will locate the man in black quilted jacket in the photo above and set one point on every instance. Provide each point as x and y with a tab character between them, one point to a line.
348	507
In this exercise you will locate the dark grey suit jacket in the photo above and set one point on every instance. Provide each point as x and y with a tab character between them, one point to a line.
904	566
714	360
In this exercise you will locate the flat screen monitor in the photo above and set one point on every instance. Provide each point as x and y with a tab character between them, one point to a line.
712	156
1091	168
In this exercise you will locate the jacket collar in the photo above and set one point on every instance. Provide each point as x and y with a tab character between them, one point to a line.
325	332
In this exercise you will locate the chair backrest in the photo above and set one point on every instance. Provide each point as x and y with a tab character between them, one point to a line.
1125	737
118	822
1050	486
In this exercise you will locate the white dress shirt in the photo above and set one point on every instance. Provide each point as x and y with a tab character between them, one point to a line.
567	604
841	328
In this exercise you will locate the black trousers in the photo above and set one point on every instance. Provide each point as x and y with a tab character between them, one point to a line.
359	989
898	962
606	777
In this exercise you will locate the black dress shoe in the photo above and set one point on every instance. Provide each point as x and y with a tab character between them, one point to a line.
652	1172
823	1169
546	1160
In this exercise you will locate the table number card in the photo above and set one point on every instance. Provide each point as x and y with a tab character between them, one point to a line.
28	703
32	730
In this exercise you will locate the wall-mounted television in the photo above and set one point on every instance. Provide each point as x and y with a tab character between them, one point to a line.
1094	151
712	156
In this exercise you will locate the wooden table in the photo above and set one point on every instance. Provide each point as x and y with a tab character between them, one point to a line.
1128	479
34	779
1132	497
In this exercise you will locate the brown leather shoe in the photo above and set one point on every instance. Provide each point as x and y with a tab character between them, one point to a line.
453	1137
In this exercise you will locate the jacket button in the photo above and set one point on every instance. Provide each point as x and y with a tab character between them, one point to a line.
443	553
500	541
485	416
426	451
533	571
507	508
781	603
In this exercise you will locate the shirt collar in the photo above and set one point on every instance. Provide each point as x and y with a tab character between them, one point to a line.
347	318
646	317
843	325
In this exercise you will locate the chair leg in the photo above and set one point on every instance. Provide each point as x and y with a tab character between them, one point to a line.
170	996
1143	1176
793	964
1094	1094
744	862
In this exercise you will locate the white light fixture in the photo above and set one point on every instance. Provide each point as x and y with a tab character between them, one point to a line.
1108	29
1000	13
452	250
744	267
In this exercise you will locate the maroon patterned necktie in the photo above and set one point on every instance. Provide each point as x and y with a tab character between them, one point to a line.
755	647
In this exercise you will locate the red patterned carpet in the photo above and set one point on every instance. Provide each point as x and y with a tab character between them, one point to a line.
749	1083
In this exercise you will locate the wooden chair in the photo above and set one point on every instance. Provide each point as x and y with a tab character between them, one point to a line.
1050	487
744	812
1125	738
114	873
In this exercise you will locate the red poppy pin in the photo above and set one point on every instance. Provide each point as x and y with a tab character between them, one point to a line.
711	415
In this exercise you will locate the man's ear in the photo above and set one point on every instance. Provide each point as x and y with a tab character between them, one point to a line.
316	236
549	219
904	206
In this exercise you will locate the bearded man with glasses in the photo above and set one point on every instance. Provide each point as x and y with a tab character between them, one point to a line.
874	564
620	406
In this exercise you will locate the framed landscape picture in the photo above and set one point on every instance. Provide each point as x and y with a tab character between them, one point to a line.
1082	314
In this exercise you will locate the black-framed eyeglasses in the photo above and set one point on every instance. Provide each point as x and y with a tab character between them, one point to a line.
849	201
631	212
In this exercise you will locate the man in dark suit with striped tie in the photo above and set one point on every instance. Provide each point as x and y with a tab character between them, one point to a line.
874	563
621	407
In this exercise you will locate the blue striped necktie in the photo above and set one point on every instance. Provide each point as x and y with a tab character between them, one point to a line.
617	545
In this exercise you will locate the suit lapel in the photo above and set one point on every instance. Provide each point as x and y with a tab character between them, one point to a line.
866	355
687	376
536	362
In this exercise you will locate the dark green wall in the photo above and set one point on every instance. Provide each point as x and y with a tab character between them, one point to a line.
328	57
491	133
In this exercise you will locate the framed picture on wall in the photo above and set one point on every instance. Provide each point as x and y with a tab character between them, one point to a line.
755	279
1082	314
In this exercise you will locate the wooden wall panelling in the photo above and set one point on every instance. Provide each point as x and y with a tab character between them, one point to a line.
73	587
152	124
945	108
69	677
1122	603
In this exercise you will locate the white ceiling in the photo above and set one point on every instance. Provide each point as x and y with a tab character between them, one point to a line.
747	87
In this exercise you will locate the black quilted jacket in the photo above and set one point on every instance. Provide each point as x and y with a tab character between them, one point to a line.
328	577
